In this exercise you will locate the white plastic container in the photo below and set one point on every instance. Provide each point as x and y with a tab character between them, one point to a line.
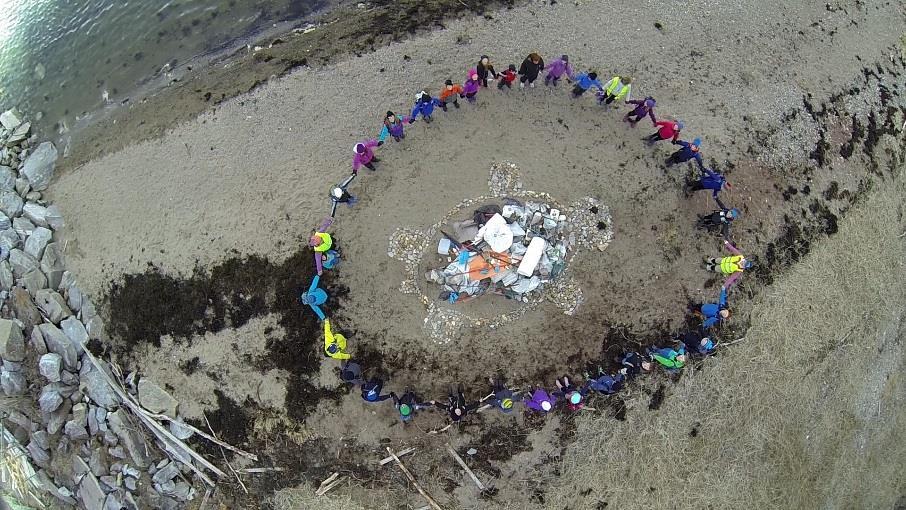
532	256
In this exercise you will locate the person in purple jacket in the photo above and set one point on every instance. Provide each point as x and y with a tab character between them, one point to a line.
363	156
643	108
540	401
557	69
471	86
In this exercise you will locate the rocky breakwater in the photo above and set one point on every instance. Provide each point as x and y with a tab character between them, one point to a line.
86	429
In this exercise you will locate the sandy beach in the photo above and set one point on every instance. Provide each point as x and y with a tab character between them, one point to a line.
771	87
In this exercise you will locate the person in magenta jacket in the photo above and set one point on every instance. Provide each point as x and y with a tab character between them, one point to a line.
363	156
643	108
558	69
471	86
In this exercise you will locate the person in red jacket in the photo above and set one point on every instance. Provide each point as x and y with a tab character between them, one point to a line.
507	78
666	130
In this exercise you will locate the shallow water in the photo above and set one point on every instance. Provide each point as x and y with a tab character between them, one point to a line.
66	58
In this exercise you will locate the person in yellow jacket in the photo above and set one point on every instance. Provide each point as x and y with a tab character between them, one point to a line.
334	344
320	242
732	266
619	87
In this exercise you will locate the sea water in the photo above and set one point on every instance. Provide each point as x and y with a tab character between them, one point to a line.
68	58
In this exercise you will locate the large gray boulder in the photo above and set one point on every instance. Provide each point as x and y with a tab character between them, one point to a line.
52	304
39	166
19	134
50	365
91	494
50	398
34	281
9	239
24	309
59	343
12	382
37	241
155	399
54	217
23	227
10	119
12	342
7	179
5	222
11	203
97	388
36	213
6	276
52	264
129	437
74	330
21	262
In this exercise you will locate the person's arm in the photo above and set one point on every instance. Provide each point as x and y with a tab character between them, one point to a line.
732	249
468	408
722	300
314	283
634	101
371	143
333	212
328	334
414	114
627	92
662	123
701	166
382	398
396	399
570	74
720	204
731	280
725	230
522	67
651	115
356	164
492	71
318	311
319	267
675	136
385	132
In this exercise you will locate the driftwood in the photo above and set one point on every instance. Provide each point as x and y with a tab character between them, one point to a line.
388	460
205	435
163	434
468	471
328	484
411	478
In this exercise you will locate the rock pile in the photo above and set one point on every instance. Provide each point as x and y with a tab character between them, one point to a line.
85	442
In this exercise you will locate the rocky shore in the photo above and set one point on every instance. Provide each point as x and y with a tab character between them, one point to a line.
72	431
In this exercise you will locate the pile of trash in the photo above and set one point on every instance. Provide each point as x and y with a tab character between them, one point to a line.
510	250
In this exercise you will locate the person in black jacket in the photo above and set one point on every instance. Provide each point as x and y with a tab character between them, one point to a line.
485	67
530	69
456	406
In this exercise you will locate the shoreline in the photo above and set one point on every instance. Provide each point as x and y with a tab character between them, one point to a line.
343	30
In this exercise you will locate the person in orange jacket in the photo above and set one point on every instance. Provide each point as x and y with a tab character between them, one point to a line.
450	94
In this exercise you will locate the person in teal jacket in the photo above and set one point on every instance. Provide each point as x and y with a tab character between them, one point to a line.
315	297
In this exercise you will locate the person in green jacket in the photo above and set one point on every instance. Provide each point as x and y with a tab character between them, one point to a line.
671	359
618	88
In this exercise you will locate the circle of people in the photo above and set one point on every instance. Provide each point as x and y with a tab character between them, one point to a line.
695	341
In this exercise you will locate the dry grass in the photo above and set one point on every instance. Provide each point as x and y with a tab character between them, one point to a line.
807	412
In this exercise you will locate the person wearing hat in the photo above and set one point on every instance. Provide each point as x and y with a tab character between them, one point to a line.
732	266
541	401
320	242
633	364
363	155
604	383
697	343
351	373
485	68
529	70
719	220
314	297
666	130
506	78
671	359
504	398
573	396
394	125
424	106
558	69
334	344
450	94
456	406
407	405
713	314
619	88
340	195
371	390
471	86
714	181
686	152
643	108
586	81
